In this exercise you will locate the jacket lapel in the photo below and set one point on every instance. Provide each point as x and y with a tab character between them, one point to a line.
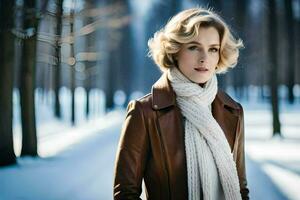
226	113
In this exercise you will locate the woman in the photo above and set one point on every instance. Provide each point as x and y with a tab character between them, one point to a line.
185	138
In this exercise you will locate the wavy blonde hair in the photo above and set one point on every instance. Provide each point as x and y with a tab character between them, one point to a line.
183	28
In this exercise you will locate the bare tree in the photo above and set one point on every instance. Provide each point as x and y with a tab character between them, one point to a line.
88	91
89	47
27	78
72	63
126	56
111	82
273	65
291	50
239	75
7	155
119	58
59	14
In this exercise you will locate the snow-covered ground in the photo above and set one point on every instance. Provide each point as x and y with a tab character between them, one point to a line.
77	162
82	169
273	164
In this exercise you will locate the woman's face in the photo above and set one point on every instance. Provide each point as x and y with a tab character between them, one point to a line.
197	60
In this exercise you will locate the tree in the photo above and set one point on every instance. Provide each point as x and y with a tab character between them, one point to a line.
7	155
110	81
291	50
126	55
27	78
89	63
72	63
118	69
88	91
273	65
239	75
59	14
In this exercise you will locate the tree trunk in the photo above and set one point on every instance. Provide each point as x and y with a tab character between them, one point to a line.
291	50
273	65
87	105
7	155
27	78
57	81
241	14
72	65
73	95
126	56
110	85
89	47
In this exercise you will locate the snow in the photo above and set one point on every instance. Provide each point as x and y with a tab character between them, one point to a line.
78	162
283	179
273	164
82	173
278	161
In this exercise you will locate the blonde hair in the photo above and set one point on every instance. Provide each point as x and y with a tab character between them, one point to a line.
182	28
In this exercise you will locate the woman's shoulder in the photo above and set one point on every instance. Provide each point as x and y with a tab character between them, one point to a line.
227	100
143	104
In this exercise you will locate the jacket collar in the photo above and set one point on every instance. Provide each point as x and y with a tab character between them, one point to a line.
164	96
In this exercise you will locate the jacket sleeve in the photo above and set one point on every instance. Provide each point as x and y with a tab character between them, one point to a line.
131	154
241	168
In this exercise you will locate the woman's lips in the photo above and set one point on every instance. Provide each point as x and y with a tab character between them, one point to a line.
201	69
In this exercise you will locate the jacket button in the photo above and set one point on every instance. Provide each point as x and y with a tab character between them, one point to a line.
155	106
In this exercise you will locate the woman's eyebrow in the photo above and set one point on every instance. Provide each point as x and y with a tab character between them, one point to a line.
195	42
215	45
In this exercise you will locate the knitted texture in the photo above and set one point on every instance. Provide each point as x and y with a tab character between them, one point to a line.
204	138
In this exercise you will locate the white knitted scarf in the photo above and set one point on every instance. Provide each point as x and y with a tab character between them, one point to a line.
203	135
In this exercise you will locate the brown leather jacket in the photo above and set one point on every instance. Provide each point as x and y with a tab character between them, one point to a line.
151	145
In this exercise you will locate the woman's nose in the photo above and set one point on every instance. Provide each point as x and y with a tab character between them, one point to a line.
202	57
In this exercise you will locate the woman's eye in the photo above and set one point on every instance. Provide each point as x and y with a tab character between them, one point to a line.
214	50
192	47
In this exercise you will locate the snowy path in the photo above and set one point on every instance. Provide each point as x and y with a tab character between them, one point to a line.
83	172
273	165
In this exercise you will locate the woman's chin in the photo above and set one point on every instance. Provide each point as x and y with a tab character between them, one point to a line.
201	81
